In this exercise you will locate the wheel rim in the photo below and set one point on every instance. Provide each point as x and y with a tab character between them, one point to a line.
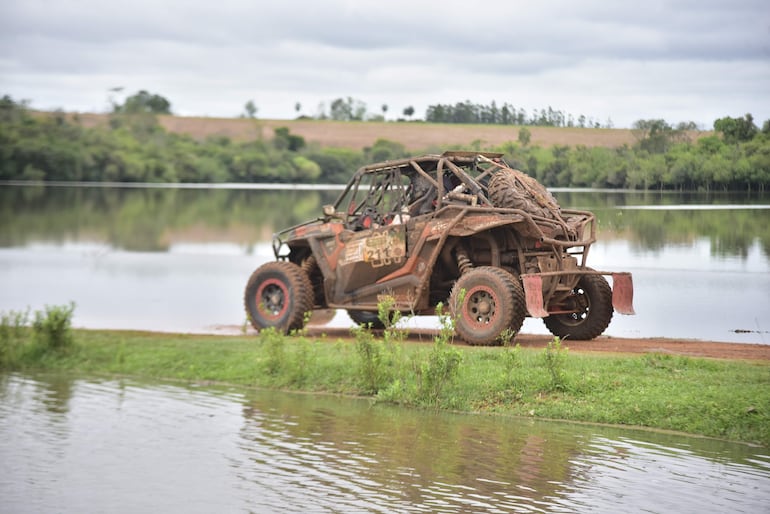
272	299
480	306
582	303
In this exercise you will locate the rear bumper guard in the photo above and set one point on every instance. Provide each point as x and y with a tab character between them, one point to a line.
622	290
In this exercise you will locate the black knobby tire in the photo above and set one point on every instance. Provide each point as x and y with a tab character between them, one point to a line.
594	298
278	294
506	190
493	302
519	301
366	319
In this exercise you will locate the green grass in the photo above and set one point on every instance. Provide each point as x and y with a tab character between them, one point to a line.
717	398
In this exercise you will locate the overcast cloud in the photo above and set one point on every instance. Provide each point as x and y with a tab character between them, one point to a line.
680	60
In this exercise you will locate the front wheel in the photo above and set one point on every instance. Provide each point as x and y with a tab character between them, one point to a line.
592	301
278	294
492	302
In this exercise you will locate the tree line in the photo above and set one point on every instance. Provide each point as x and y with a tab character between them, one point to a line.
352	109
134	147
507	114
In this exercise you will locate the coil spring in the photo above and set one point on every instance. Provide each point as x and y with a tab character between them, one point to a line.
463	261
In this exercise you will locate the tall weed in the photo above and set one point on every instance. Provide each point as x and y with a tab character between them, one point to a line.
22	341
443	361
288	364
275	346
554	357
373	372
52	329
381	361
303	359
13	332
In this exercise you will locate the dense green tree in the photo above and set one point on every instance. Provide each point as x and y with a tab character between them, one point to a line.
144	102
250	109
592	167
347	109
134	147
283	140
736	130
653	136
525	136
307	169
384	150
469	112
337	164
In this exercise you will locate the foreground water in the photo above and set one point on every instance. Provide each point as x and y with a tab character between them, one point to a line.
178	259
116	445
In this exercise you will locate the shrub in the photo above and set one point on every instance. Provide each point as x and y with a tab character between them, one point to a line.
275	343
443	361
382	361
13	331
372	371
52	329
554	356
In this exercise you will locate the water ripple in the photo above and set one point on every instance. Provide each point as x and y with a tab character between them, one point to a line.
77	445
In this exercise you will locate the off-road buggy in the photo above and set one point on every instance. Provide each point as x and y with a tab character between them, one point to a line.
463	229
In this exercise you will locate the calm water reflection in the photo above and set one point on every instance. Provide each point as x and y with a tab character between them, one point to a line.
78	445
177	259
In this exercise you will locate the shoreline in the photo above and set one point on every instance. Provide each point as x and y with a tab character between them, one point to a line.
602	344
705	388
606	344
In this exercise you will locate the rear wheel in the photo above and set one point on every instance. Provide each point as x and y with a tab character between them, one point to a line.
492	302
366	319
278	294
592	301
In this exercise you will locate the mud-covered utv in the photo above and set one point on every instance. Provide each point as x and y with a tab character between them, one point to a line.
462	229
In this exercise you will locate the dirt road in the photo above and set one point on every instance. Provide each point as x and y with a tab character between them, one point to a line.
687	347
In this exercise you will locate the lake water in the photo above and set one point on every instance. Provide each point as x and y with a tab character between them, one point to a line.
73	445
177	259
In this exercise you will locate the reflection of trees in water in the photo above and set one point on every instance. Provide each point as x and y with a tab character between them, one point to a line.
54	392
45	398
410	451
393	454
732	233
148	219
144	219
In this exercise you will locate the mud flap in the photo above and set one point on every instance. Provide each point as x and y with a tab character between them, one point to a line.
533	292
622	293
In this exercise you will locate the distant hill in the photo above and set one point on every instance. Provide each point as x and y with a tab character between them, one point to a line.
415	136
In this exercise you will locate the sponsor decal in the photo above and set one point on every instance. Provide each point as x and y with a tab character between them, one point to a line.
380	249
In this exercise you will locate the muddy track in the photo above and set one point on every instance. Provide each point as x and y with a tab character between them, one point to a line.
604	344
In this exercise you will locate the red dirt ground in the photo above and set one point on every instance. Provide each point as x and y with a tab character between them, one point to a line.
685	347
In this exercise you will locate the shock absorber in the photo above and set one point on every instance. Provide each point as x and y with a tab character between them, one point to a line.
463	260
309	264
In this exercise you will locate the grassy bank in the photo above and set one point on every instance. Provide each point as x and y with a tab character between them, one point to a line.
725	399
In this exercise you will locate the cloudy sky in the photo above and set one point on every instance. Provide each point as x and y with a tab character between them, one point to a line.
680	60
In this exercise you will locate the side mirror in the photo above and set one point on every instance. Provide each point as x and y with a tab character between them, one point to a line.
329	211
